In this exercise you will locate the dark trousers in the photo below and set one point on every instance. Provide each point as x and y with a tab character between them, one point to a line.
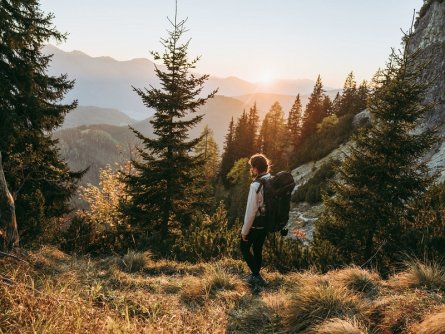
255	240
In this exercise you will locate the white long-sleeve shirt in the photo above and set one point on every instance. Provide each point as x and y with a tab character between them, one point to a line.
254	201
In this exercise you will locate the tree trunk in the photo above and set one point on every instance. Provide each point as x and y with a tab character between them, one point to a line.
9	236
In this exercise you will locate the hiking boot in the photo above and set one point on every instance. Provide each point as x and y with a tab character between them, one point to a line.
255	280
259	280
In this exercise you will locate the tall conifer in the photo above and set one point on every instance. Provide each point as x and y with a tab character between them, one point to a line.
30	109
383	174
162	190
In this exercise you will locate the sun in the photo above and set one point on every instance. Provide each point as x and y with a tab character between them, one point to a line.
266	78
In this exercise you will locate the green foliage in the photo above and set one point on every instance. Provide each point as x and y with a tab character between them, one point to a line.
312	190
316	109
207	149
426	232
324	141
30	110
241	141
273	137
208	237
284	254
168	187
240	179
328	124
366	220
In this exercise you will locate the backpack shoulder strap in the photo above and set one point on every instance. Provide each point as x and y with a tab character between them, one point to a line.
261	182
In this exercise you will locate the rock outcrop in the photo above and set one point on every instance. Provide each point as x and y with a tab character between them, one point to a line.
429	41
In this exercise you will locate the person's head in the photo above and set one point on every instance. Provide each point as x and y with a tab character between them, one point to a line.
259	164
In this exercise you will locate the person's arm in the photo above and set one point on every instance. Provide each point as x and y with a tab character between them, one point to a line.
251	210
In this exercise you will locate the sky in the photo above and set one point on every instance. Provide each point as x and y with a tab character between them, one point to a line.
255	40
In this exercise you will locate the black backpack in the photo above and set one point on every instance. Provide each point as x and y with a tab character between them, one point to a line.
277	196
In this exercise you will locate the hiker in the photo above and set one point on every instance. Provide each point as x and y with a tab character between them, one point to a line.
253	232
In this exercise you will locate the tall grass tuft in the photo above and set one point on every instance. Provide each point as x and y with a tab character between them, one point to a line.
313	304
429	276
215	279
340	326
134	261
433	324
253	315
359	280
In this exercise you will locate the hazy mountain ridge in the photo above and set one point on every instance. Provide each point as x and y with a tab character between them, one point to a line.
107	83
88	115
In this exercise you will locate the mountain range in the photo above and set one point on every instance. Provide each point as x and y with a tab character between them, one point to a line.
96	133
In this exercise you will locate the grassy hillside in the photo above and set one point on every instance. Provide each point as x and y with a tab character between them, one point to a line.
57	293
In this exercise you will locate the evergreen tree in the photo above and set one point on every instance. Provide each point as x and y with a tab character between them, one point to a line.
294	123
30	109
228	156
349	96
273	136
164	192
362	96
242	140
383	174
253	120
207	149
315	110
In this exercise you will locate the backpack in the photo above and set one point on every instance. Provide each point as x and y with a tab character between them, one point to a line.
277	195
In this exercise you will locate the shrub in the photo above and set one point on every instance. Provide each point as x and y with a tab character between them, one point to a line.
134	261
208	237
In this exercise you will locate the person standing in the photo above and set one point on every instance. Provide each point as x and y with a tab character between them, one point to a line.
253	232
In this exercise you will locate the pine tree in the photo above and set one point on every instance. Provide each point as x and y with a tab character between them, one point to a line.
315	110
294	124
242	138
383	174
273	137
30	109
163	190
228	156
207	149
362	96
253	120
349	96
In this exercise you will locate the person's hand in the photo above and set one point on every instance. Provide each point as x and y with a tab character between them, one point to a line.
244	237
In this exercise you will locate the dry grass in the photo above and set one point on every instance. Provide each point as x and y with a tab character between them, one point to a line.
433	324
430	276
311	305
134	261
57	293
340	326
358	280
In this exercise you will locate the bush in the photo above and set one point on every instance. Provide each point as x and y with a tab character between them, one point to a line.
208	237
134	261
325	141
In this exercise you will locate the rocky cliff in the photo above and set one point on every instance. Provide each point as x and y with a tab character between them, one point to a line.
429	40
